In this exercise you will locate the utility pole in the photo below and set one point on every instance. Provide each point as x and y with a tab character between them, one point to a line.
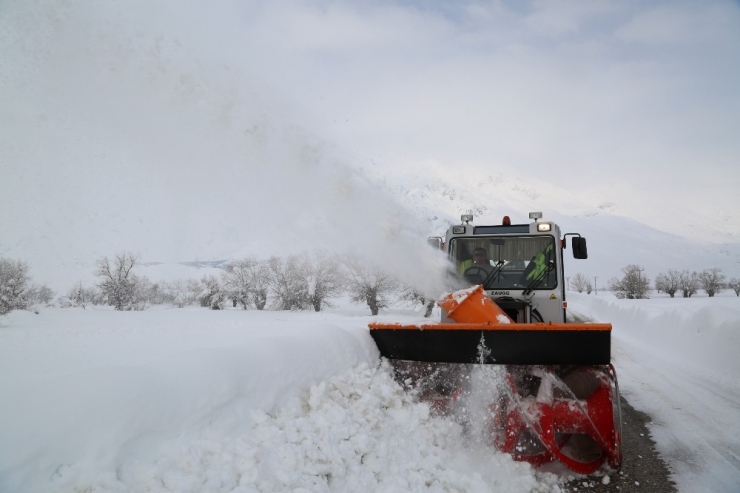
596	290
639	283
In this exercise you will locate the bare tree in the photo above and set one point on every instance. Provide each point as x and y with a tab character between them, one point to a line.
734	284
142	293
689	283
712	281
182	292
157	293
119	286
79	295
238	280
44	294
15	291
211	295
634	284
414	297
580	283
368	284
287	283
260	286
35	294
669	283
322	275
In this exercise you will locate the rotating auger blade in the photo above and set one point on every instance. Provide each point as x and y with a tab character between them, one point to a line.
573	417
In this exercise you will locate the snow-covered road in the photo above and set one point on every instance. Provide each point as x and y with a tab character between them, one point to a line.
677	361
695	418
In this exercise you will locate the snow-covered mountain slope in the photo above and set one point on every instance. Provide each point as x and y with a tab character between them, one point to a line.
437	196
412	205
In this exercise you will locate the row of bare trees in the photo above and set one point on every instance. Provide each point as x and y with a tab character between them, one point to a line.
298	282
634	284
712	281
312	281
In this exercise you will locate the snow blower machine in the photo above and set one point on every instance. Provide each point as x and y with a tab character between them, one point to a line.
552	391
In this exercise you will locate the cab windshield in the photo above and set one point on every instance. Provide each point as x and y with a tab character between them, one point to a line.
510	262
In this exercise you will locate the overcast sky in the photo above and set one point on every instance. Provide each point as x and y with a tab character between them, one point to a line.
139	125
636	103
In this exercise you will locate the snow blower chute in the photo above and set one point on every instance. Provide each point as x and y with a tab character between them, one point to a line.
558	398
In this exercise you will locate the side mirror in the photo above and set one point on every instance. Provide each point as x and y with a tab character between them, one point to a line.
435	242
579	247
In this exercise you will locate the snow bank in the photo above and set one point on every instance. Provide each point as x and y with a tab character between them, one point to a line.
702	333
677	360
196	400
87	394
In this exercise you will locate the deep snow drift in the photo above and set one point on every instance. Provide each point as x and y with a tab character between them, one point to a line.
196	400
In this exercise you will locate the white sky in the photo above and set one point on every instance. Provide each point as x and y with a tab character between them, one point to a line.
181	129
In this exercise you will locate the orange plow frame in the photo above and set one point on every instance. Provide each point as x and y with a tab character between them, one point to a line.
485	334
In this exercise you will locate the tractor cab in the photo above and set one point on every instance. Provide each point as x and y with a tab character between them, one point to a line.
520	266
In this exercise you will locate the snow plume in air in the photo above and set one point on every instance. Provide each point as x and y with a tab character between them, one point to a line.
155	128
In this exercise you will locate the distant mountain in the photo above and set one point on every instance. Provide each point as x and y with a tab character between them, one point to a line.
346	209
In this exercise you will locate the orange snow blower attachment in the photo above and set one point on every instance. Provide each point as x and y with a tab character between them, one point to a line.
559	399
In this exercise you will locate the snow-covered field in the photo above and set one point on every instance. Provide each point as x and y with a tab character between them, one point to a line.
196	400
